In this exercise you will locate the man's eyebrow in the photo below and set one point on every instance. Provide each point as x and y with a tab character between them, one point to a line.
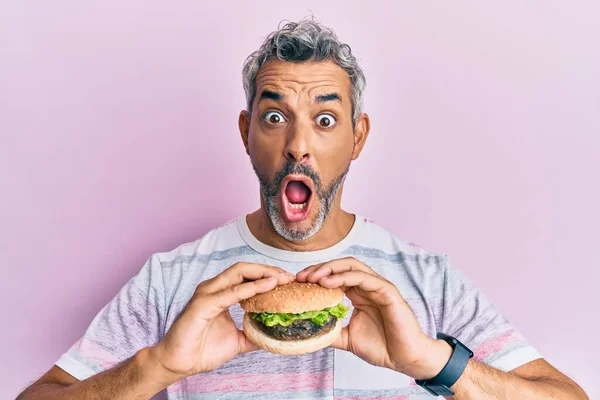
267	94
328	97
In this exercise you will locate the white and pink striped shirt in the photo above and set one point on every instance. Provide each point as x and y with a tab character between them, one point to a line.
441	297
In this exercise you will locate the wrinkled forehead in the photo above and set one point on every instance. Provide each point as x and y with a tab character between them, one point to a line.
303	81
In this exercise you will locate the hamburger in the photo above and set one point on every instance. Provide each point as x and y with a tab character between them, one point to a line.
295	318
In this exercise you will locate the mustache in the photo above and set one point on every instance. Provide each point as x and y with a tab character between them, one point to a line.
296	169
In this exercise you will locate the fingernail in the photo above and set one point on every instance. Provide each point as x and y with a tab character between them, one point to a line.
286	274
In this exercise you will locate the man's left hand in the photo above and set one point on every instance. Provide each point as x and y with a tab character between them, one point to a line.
383	330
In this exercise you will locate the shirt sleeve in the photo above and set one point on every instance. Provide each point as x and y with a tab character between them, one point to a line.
473	319
132	320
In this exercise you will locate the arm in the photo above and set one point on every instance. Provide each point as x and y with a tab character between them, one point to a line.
535	380
140	377
202	338
384	331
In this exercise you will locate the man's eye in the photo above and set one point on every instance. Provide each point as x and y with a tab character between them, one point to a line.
274	117
326	120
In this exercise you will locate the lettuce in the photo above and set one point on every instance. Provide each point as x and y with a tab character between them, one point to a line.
286	319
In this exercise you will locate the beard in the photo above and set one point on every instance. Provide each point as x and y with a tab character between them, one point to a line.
271	191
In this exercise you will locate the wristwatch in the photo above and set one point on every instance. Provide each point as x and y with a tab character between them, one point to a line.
441	383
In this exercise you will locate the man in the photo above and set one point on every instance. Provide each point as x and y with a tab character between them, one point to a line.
176	325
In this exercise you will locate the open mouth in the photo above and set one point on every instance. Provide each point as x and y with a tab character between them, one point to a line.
296	197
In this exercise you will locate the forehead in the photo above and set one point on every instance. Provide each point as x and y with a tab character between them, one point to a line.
309	78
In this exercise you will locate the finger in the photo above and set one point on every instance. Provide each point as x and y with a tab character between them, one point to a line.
224	299
376	288
241	272
301	276
336	267
361	279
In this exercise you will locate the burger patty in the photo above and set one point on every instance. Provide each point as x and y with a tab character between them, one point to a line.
298	330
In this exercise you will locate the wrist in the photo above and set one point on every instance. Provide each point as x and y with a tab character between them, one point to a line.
438	353
148	360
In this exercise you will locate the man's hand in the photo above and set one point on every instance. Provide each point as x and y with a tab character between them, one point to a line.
383	329
204	336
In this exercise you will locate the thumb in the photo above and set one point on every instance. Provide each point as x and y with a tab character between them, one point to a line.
245	344
342	342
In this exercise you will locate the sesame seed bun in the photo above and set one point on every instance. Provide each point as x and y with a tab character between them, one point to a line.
294	298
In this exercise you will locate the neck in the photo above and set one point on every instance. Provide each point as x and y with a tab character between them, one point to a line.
336	226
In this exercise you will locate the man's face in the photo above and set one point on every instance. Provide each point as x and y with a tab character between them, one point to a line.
301	142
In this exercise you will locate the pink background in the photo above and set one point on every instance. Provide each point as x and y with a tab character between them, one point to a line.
119	139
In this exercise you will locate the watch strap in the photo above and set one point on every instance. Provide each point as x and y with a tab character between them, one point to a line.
454	368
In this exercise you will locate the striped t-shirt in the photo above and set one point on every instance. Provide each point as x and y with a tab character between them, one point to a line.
441	297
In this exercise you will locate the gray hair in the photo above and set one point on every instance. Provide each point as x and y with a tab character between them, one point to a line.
306	40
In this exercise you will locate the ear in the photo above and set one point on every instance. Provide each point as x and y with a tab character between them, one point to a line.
244	126
361	132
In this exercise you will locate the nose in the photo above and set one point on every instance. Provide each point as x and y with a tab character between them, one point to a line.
297	148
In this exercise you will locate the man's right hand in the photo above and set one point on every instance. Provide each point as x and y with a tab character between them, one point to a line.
204	336
201	339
